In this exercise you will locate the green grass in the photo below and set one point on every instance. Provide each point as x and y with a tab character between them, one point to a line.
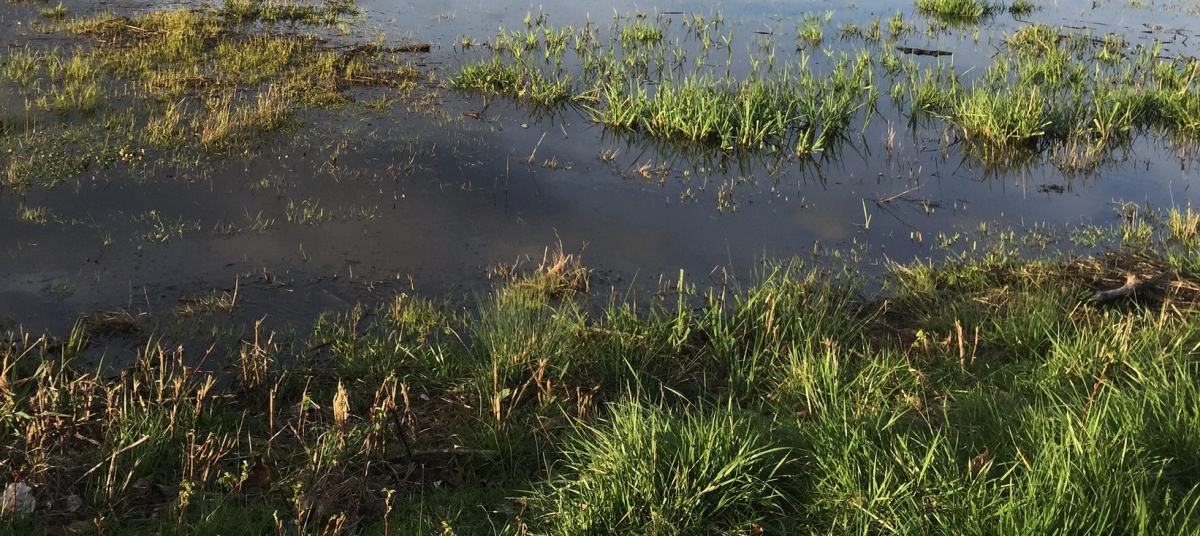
502	78
1063	93
647	470
271	11
641	82
980	395
191	83
640	33
810	34
1021	8
957	11
1052	94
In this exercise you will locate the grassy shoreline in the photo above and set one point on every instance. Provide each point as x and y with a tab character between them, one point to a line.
978	396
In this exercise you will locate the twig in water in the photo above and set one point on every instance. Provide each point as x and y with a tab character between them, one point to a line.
533	154
891	198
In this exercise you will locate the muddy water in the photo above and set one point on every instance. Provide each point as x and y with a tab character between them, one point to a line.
413	201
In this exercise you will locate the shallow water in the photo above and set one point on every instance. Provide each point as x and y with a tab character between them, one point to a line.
427	202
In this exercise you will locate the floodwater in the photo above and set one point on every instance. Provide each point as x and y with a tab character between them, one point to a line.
412	201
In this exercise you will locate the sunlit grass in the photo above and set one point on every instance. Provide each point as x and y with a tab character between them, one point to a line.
57	12
273	11
794	403
645	470
1056	94
192	81
957	11
230	123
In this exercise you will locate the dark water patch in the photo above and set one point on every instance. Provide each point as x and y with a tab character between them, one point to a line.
426	196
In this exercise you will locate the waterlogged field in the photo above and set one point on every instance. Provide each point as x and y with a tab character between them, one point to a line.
476	268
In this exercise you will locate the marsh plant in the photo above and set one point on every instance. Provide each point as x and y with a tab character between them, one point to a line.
188	84
1067	96
958	11
793	402
1065	91
648	79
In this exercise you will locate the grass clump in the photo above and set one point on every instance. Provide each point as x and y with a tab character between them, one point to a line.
1063	93
502	78
1000	119
810	34
648	470
57	12
641	33
230	123
1021	8
271	11
637	82
957	11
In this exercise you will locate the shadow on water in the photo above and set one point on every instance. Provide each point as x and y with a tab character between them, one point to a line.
361	202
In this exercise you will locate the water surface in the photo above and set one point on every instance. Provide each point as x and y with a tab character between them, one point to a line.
421	200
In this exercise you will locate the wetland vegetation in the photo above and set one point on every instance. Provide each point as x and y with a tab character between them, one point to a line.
1070	94
1013	380
985	395
161	91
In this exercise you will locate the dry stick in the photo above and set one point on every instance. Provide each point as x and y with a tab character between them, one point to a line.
891	198
1183	89
496	389
975	346
962	348
532	154
409	418
271	409
1132	285
233	301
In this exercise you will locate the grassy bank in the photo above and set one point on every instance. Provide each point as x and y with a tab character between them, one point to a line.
982	396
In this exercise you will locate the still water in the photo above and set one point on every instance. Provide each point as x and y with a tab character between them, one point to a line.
426	198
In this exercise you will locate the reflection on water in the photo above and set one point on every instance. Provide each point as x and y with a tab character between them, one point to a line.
424	200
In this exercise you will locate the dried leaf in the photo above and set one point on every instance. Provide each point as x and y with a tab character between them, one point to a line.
341	407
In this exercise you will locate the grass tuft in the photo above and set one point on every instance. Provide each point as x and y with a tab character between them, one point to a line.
647	470
957	11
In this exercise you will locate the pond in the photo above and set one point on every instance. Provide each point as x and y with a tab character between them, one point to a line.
430	194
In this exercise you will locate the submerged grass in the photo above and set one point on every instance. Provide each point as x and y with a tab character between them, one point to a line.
985	395
1066	96
1063	92
650	81
958	11
190	83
